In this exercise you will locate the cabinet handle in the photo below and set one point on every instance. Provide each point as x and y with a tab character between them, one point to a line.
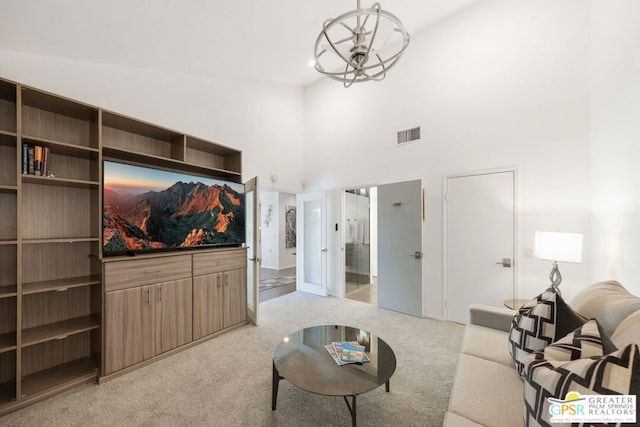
218	281
62	289
148	296
62	337
226	280
160	293
152	271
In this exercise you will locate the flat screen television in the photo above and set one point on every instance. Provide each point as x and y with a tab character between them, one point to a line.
147	209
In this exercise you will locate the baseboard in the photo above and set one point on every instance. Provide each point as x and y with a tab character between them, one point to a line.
431	316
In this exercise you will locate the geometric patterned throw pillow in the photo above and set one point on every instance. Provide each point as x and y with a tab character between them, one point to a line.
589	340
541	321
616	373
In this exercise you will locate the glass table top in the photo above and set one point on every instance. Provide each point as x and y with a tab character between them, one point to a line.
303	361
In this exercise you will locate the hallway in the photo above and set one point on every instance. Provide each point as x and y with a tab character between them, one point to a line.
275	283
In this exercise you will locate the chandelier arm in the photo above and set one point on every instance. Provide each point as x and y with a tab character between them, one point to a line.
373	36
335	49
348	28
391	60
384	69
379	76
346	39
364	24
345	83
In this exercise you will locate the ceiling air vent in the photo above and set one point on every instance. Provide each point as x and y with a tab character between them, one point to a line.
408	135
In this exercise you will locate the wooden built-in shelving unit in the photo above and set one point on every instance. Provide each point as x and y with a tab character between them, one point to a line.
52	283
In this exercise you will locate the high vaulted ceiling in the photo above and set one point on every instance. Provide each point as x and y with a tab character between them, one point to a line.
256	40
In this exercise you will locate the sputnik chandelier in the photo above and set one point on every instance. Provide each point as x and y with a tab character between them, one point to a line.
360	45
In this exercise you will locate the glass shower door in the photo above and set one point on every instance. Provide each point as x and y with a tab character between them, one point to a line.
357	240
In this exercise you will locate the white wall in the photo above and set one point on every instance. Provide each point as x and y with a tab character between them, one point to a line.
500	84
286	256
264	121
269	229
275	254
615	151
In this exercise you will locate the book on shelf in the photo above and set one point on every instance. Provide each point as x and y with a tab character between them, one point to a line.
30	162
344	353
46	151
25	158
37	160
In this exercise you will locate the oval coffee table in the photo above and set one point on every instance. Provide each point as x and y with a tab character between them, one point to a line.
303	361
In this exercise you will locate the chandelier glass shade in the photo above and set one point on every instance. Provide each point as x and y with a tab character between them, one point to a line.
360	45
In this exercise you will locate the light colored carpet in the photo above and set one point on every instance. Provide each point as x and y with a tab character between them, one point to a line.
227	381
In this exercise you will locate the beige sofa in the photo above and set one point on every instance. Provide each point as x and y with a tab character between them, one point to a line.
487	389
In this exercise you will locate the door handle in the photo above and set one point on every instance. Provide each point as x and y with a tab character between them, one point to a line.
323	250
416	255
506	262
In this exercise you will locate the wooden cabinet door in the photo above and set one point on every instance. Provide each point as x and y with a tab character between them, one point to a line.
235	297
128	327
173	317
207	304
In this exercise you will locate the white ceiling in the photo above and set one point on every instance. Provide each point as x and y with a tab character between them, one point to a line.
252	40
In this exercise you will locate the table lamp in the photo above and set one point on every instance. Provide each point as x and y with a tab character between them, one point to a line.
558	247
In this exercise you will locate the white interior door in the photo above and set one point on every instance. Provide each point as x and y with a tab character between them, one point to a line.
480	241
400	208
252	222
312	243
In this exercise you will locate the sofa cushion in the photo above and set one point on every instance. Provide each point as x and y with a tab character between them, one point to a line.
578	363
628	332
609	302
540	322
491	317
487	393
487	343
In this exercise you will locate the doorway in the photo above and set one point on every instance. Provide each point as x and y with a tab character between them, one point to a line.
480	240
360	244
400	221
278	244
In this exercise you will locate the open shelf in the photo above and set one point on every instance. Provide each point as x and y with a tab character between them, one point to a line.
59	284
8	291
60	240
7	342
60	147
59	377
7	137
114	153
8	109
57	330
8	160
61	210
48	180
135	136
213	156
8	216
7	393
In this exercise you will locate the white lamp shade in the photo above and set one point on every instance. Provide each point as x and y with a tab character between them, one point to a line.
554	246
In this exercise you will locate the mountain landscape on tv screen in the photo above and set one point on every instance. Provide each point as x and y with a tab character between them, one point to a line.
183	215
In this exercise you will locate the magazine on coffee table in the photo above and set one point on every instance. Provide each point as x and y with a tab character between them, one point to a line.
344	353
